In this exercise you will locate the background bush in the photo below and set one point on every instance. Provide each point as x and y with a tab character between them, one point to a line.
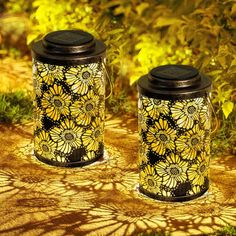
140	35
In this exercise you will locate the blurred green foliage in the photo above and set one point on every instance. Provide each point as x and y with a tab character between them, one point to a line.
15	107
226	231
141	35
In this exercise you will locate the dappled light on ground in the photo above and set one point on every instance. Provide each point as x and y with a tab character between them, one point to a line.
101	199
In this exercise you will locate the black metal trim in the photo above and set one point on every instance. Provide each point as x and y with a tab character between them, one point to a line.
39	53
146	88
171	199
67	164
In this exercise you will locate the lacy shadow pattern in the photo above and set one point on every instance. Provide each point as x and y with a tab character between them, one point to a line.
102	198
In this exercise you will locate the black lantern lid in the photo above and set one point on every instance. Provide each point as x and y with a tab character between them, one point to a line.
68	47
174	82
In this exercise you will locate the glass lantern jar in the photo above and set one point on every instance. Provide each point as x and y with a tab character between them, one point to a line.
69	85
174	133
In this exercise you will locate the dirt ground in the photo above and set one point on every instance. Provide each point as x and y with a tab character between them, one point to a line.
101	199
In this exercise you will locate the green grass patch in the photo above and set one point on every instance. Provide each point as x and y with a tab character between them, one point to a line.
227	231
15	107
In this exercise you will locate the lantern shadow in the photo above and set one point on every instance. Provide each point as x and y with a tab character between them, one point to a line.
102	198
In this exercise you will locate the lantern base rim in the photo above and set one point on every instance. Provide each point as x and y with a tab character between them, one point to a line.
172	199
67	164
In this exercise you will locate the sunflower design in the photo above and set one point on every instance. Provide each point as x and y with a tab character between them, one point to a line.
56	102
43	205
81	77
143	151
221	212
142	120
38	115
194	190
93	136
149	179
186	112
59	158
199	170
105	178
161	137
205	116
101	108
85	108
154	107
166	192
34	67
99	84
35	71
190	143
172	170
207	145
67	136
44	146
49	72
89	156
123	217
13	182
37	85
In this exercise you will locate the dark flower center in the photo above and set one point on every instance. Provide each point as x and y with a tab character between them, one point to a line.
32	179
57	103
202	168
134	213
194	141
45	148
89	107
191	109
151	183
174	171
69	136
97	133
163	137
108	177
86	75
